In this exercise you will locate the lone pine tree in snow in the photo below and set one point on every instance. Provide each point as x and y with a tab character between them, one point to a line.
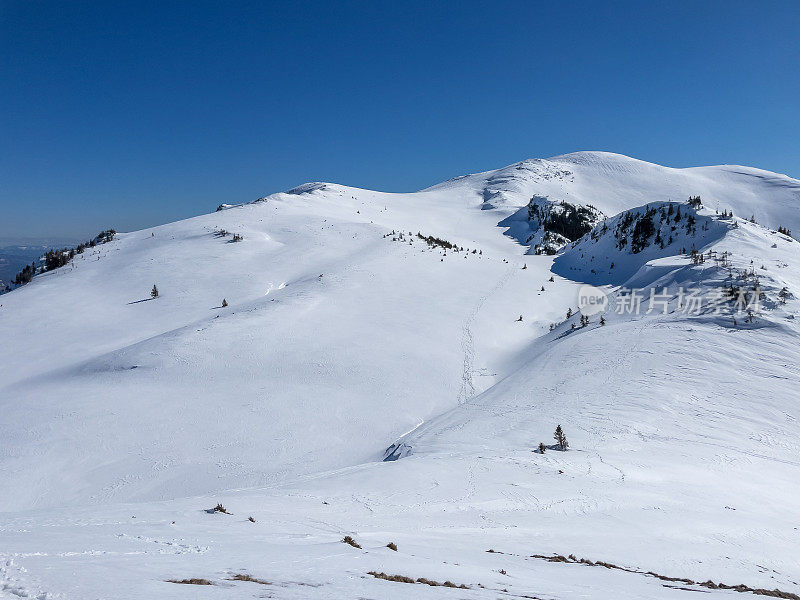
559	437
154	292
224	303
542	447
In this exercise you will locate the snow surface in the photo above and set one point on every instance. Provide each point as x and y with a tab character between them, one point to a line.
124	417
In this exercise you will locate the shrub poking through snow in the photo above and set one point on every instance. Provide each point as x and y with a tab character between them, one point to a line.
398	578
246	577
220	508
193	581
560	438
422	580
154	292
392	546
542	447
251	519
349	540
224	303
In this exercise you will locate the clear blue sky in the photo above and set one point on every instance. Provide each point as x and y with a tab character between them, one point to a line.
130	114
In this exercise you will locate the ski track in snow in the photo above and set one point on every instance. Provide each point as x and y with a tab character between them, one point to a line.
467	389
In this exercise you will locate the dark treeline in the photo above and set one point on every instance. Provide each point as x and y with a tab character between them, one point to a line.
55	258
571	221
434	241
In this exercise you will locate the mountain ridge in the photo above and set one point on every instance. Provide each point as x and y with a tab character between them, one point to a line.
295	338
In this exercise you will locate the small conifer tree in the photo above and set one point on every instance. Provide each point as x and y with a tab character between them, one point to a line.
560	438
154	292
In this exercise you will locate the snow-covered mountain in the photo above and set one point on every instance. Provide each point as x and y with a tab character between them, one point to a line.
425	328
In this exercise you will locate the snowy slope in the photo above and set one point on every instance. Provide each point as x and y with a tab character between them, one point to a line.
300	372
124	416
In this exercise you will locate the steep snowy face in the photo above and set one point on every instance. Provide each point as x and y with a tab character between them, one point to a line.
684	253
614	250
509	186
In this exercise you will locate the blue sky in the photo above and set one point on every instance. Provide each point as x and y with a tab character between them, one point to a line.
129	114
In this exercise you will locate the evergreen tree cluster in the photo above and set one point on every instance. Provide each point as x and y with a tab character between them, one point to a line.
657	223
55	258
785	231
643	230
562	222
561	442
435	241
25	275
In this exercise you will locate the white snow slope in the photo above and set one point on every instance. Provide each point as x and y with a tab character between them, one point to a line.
124	417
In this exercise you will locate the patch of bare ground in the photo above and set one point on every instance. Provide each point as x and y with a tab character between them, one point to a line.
422	580
572	559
